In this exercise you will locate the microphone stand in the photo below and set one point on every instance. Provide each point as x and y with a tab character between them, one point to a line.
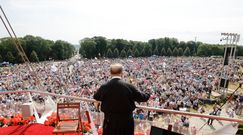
231	95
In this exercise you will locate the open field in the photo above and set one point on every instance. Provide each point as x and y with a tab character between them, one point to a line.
234	85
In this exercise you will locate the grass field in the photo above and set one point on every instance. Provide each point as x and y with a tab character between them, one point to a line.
241	69
233	86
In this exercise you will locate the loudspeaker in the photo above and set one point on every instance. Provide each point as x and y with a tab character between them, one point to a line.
233	52
224	83
227	51
160	131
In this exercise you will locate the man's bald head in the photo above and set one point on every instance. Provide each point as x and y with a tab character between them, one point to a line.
116	69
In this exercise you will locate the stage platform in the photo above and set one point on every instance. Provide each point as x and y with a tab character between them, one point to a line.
31	129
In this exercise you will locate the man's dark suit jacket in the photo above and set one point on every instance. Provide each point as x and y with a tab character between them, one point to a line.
118	102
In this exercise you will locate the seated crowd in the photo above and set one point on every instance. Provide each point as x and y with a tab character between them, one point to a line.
174	83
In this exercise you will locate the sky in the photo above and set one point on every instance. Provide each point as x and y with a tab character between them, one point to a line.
140	20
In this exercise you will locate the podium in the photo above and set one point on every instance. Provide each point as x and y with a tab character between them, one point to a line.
159	131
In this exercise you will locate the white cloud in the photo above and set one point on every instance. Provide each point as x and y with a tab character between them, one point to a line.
73	20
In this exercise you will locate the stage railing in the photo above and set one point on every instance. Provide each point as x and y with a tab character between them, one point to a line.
138	106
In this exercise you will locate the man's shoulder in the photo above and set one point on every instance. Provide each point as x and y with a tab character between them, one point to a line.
118	81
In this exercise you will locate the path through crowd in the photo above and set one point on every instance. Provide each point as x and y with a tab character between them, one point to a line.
217	128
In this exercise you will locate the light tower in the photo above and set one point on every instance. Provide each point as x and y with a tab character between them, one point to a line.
229	55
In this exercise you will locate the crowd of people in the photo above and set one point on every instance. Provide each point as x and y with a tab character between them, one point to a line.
174	83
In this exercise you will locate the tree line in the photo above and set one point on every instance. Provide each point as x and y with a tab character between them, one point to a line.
99	46
36	48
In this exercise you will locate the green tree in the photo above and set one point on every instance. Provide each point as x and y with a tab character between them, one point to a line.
194	52
109	53
204	50
101	45
239	51
160	43
7	45
175	52
62	50
2	49
217	50
41	46
180	52
44	48
129	52
163	53
120	44
152	42
19	58
82	51
192	46
10	57
169	52
182	45
1	58
187	52
34	57
156	51
167	42
136	53
116	53
147	50
139	46
88	48
143	53
123	54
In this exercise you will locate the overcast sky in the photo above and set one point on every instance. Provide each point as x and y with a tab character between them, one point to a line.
141	20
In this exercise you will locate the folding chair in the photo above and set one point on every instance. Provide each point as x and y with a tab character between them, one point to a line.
68	125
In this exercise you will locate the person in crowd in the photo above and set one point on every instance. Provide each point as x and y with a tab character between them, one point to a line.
201	110
210	121
231	113
173	83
